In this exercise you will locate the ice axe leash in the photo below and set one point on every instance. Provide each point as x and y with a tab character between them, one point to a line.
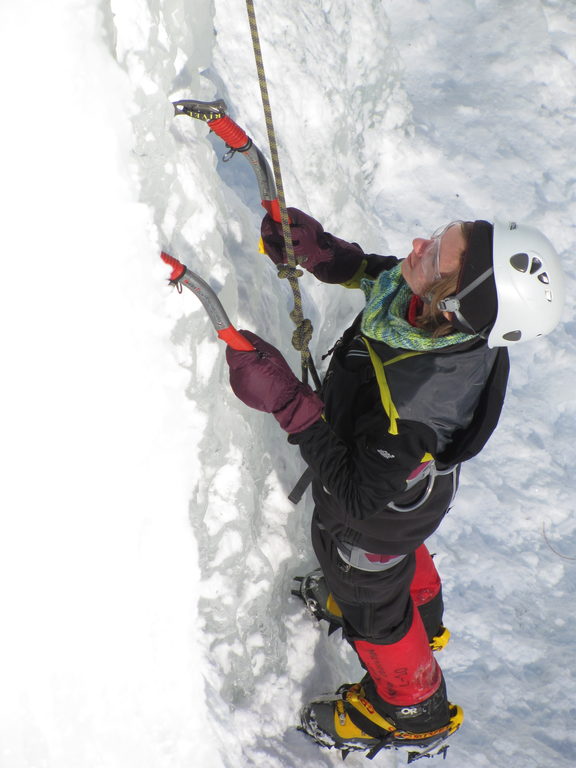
182	276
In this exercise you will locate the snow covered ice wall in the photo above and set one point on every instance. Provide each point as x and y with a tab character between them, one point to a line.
148	619
99	628
391	119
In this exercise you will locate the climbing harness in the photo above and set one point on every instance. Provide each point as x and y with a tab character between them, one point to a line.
430	472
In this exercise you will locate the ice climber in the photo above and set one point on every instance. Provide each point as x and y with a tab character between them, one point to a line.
414	388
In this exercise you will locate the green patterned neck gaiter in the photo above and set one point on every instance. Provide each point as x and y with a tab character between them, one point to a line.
384	316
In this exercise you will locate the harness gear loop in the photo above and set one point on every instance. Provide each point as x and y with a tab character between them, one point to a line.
292	276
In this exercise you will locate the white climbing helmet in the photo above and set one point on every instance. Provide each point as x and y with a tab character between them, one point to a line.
529	284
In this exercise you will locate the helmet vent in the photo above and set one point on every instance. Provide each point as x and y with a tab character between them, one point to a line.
535	266
520	262
512	336
523	263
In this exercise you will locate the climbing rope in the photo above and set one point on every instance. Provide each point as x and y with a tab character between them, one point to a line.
303	334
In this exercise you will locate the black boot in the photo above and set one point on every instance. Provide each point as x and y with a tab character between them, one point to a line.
356	718
428	716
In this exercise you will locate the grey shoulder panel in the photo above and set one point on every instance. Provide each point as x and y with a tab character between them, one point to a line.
441	390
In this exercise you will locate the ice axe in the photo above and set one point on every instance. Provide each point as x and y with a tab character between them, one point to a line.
181	275
214	113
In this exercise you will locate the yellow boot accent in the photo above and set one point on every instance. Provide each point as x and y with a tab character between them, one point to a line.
345	728
457	718
440	640
333	607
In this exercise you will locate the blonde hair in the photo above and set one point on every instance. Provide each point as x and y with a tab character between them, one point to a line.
432	318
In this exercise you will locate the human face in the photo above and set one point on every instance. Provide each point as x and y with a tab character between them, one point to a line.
433	258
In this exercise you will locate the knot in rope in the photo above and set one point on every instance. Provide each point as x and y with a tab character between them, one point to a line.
287	271
302	335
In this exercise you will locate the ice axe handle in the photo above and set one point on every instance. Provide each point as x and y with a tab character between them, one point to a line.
212	305
237	139
234	339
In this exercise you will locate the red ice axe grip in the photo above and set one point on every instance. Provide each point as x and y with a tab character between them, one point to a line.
273	208
212	305
234	339
178	269
230	132
237	138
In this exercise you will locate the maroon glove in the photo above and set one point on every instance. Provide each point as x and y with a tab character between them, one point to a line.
312	245
264	381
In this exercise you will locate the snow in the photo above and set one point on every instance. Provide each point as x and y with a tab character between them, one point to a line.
147	544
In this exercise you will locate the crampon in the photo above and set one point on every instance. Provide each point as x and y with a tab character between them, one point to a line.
332	721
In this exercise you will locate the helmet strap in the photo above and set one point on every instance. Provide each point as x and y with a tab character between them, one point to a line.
453	303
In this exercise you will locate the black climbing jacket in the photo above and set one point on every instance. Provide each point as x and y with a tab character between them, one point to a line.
446	404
